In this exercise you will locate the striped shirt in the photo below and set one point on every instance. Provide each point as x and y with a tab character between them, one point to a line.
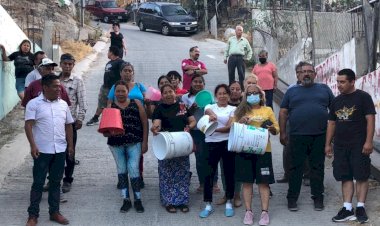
76	91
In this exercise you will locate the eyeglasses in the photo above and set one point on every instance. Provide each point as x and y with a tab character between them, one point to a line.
307	72
250	93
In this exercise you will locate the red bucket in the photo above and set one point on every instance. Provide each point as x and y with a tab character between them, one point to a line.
111	122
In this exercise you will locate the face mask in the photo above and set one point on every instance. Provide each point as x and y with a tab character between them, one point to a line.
263	60
253	99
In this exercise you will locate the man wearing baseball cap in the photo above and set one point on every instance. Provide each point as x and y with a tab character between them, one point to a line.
35	88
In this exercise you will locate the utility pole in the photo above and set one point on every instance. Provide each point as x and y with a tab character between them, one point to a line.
206	14
82	5
312	31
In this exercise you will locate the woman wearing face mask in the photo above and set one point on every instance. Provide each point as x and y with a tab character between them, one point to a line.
267	74
23	61
128	147
176	80
174	174
252	168
217	149
198	84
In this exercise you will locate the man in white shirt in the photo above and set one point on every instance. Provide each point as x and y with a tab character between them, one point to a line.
48	127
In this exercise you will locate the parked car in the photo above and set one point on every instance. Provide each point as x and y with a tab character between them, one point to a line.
132	10
165	17
106	10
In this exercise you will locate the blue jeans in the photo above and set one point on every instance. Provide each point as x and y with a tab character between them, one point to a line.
127	158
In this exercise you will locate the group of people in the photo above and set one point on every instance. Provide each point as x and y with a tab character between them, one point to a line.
341	126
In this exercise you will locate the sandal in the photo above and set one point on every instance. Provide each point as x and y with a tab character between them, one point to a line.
184	208
171	209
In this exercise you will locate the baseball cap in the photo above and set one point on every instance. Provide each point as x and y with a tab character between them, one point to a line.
67	56
47	62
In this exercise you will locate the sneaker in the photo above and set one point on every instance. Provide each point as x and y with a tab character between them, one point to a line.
361	215
66	187
306	182
205	213
344	215
264	219
292	205
318	204
138	206
92	121
126	206
248	218
229	212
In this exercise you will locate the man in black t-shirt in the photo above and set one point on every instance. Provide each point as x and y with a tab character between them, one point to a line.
352	125
111	76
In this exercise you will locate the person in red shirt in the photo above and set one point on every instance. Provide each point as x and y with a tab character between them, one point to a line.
192	66
35	88
175	80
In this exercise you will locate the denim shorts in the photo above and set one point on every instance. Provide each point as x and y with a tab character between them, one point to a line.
20	85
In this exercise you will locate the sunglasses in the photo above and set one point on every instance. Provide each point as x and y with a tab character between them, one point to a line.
250	93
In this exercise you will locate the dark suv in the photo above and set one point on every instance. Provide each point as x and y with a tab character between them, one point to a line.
165	17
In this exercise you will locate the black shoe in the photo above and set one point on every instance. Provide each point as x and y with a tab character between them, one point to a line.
66	187
92	121
344	215
361	215
318	203
292	205
77	162
282	180
126	206
138	206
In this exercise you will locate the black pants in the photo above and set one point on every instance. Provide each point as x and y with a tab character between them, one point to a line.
301	147
54	164
236	61
286	158
269	98
70	163
215	152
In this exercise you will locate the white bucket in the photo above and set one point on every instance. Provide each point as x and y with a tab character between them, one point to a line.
167	145
205	126
247	139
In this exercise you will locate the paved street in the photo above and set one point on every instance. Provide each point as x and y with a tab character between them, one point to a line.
94	199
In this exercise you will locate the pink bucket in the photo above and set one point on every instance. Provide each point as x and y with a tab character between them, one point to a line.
153	94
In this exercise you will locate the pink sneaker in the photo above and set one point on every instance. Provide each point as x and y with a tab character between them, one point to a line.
264	219
248	218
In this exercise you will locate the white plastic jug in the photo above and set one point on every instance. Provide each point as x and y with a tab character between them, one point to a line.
167	145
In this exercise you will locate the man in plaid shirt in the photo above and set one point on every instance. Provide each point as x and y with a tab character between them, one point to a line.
75	89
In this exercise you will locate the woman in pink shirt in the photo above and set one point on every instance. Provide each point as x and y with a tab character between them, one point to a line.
267	76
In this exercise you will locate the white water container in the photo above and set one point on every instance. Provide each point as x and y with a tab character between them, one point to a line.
167	145
247	139
205	126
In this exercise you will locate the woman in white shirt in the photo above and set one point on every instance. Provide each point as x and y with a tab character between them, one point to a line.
217	144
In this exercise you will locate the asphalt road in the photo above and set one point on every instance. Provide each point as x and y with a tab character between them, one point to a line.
94	199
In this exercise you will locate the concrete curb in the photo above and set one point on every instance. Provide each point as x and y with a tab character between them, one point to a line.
13	154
